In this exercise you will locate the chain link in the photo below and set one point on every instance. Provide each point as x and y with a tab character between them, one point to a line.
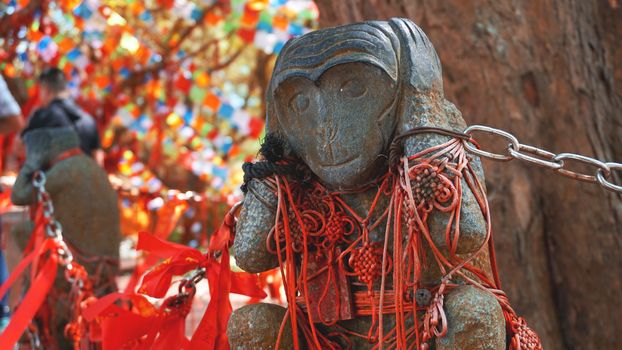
53	228
81	287
602	179
602	174
188	284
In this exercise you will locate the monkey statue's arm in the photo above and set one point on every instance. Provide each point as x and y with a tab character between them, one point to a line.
472	222
256	220
23	192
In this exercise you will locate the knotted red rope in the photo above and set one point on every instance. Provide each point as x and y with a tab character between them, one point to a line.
314	224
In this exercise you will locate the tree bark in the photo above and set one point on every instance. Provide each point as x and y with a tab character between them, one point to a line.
550	72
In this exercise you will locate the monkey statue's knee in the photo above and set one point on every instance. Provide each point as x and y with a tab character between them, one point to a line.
257	326
474	320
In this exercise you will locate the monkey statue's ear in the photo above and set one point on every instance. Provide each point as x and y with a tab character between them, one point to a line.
422	102
274	134
272	120
419	65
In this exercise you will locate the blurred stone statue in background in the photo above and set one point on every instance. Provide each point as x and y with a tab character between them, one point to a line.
84	203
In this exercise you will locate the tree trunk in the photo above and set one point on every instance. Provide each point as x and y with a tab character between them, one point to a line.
550	72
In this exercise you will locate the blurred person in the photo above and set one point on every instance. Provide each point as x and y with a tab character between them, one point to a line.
10	121
59	110
10	113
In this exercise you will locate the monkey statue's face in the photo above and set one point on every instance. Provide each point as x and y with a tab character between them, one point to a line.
340	125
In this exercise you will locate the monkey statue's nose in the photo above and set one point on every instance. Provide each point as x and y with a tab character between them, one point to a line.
328	144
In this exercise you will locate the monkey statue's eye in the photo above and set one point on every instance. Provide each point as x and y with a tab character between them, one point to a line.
353	88
299	103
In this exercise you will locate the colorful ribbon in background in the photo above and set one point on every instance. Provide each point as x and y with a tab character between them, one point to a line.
177	86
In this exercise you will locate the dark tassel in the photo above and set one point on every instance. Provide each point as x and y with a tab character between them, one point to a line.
273	147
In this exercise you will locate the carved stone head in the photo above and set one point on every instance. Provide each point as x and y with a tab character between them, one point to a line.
45	144
339	95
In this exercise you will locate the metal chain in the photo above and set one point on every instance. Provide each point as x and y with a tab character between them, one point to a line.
188	285
602	173
186	292
74	273
53	228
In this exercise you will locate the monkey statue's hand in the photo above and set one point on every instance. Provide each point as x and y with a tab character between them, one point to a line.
22	192
255	222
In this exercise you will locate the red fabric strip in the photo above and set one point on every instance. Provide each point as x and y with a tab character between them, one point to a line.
30	304
66	154
17	272
211	333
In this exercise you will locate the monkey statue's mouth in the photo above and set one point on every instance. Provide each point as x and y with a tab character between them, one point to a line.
340	163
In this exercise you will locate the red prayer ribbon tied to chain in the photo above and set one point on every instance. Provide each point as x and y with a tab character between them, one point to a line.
45	252
320	231
140	325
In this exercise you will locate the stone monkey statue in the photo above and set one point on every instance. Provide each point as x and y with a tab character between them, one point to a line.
337	100
84	203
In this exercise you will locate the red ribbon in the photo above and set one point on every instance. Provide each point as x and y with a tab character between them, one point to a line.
182	259
145	327
41	284
142	327
72	152
212	330
42	255
168	217
42	275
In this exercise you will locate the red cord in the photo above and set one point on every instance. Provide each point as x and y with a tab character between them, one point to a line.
317	222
